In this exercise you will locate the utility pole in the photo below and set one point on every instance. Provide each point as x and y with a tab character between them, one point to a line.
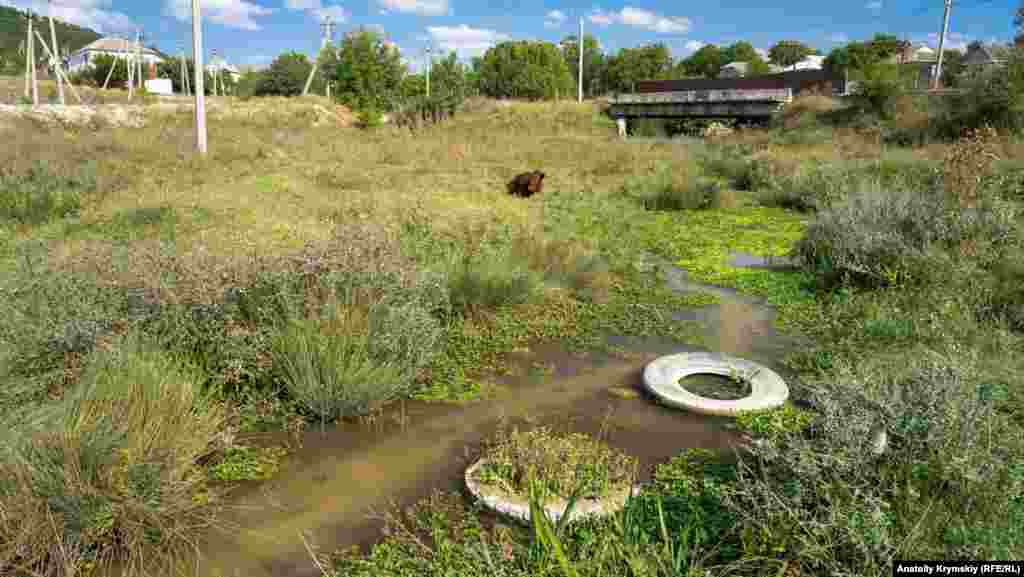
131	69
579	46
942	43
429	62
197	55
32	51
28	60
138	51
184	74
213	72
56	56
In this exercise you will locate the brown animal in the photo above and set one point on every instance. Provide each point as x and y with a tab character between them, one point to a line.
527	184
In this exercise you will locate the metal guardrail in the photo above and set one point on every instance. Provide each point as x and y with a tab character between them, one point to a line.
705	96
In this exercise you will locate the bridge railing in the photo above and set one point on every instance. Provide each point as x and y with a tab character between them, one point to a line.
682	97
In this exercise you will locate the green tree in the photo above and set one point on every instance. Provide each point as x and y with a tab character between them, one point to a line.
952	67
171	68
100	67
707	61
368	72
631	65
744	52
524	69
286	75
786	53
593	63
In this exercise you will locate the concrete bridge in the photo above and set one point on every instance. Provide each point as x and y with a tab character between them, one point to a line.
753	104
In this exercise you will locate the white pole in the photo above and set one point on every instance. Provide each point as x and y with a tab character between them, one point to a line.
55	55
942	42
110	72
197	54
35	77
579	46
57	69
28	60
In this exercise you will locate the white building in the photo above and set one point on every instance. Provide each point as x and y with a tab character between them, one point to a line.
117	47
219	65
812	62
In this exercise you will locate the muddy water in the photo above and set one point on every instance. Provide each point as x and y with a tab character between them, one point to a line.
327	489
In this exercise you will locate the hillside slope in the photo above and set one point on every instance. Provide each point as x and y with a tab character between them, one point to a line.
12	33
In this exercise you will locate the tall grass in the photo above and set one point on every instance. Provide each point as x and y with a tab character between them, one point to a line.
110	472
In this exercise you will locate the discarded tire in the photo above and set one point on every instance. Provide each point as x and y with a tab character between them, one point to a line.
662	376
518	507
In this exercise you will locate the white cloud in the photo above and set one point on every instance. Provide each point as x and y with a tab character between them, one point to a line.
954	41
554	19
693	45
650	21
640	18
875	6
421	7
465	41
318	10
94	14
230	13
762	52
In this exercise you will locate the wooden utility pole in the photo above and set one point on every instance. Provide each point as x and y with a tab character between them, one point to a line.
197	55
942	43
579	46
56	55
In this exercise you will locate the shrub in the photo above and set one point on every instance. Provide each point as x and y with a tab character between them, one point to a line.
879	91
41	194
939	446
668	190
359	346
111	470
333	376
476	283
49	321
879	238
560	463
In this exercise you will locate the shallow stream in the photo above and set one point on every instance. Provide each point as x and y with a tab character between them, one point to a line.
326	489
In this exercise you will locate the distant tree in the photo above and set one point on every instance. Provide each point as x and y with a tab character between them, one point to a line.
745	52
593	63
786	53
248	82
707	61
524	69
368	72
171	68
286	75
884	46
631	65
100	67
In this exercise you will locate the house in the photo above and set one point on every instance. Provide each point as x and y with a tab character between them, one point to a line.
812	62
734	70
220	65
982	56
117	47
920	59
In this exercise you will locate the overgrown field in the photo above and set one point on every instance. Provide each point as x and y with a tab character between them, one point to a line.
153	305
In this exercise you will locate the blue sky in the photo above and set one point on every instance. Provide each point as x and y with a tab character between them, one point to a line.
254	31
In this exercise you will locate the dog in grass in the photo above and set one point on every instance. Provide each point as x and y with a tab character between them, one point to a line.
526	184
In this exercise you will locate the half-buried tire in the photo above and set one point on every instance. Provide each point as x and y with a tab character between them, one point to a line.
662	376
518	507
